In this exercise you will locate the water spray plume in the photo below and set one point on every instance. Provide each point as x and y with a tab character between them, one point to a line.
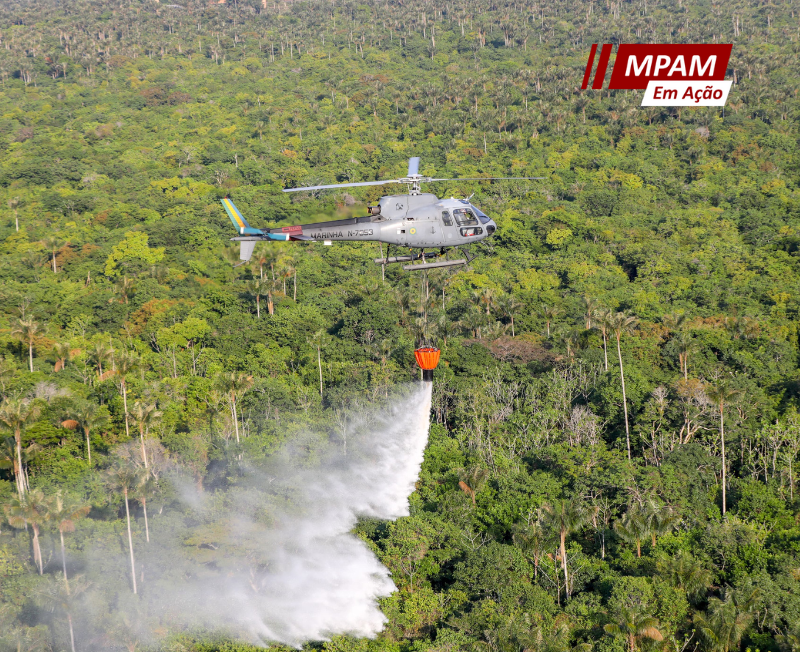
273	559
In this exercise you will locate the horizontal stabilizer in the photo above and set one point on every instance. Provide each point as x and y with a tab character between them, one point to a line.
285	237
444	263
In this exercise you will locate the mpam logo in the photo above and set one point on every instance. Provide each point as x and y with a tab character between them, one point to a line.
670	74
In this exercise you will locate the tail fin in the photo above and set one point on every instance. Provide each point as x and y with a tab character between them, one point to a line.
245	251
237	218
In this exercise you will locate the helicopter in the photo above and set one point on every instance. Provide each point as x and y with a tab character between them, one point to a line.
415	220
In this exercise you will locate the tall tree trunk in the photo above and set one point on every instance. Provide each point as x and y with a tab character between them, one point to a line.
125	407
605	349
624	399
564	562
71	633
37	551
146	524
64	559
130	541
88	445
258	307
19	477
319	364
141	442
235	418
30	355
722	441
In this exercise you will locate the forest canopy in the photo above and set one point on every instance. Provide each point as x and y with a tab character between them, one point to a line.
613	453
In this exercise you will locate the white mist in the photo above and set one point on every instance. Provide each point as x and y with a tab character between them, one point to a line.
273	559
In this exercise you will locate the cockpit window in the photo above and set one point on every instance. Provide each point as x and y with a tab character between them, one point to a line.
483	217
465	217
446	218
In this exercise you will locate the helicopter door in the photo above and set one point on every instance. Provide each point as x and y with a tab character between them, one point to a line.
448	228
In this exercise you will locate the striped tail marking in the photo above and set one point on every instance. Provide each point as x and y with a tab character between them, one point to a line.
237	218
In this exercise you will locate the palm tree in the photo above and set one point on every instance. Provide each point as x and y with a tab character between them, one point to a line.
571	341
550	313
719	396
15	414
63	353
319	339
673	321
621	323
125	478
100	354
532	539
485	297
726	620
565	516
445	328
58	596
126	363
286	271
26	330
661	520
601	319
634	626
145	489
509	306
18	466
145	416
13	204
592	307
64	512
686	345
684	572
235	384
472	481
53	244
30	509
256	288
633	528
473	321
87	416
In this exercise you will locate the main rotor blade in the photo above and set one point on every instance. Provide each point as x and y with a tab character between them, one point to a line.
413	166
489	179
343	185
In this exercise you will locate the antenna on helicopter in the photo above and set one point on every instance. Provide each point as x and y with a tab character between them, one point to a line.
413	180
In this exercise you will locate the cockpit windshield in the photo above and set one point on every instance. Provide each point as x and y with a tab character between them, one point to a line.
465	217
483	217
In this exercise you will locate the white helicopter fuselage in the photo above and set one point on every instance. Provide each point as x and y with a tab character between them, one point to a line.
421	220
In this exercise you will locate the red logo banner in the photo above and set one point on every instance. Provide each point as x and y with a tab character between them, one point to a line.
638	64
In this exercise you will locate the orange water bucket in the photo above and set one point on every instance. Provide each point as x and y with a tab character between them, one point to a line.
427	359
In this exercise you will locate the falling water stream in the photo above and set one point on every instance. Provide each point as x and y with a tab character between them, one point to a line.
273	559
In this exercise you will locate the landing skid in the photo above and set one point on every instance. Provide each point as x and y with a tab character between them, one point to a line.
444	263
410	258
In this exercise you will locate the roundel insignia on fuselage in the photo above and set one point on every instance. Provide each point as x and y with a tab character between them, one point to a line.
412	231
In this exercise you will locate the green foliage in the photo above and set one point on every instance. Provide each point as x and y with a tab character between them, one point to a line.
118	143
132	254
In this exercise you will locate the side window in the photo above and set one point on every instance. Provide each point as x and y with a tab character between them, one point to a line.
446	218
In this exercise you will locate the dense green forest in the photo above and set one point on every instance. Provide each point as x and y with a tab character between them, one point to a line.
614	446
